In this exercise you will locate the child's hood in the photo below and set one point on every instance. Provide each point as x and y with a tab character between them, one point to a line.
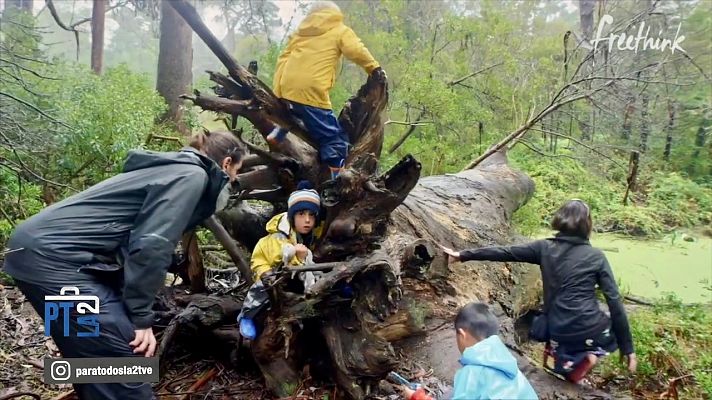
279	223
320	22
491	353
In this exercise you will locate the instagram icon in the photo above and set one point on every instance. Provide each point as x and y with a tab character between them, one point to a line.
60	371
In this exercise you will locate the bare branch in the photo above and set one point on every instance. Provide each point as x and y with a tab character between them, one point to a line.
21	165
27	70
61	24
405	136
542	153
416	123
29	105
580	143
457	81
88	19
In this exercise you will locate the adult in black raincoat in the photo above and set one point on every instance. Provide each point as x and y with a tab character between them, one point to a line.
115	241
576	329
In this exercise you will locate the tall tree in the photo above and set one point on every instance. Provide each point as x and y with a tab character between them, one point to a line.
644	122
586	13
669	130
702	132
25	5
175	56
97	35
586	8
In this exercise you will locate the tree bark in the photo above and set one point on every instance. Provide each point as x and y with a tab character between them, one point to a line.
628	119
632	175
644	123
702	133
98	14
175	59
669	130
586	8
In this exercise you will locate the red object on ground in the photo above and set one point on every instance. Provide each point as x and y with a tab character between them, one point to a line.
420	395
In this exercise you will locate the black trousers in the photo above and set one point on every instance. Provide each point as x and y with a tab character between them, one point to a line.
115	333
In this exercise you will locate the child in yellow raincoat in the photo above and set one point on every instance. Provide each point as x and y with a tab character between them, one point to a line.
306	72
291	235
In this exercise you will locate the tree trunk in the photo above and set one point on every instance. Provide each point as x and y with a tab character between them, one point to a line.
586	16
632	175
175	58
669	130
25	5
628	119
97	35
644	123
702	133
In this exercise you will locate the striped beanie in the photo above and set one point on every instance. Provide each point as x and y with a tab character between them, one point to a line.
304	198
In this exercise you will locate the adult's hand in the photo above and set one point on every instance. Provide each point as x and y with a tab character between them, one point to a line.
452	255
144	342
631	362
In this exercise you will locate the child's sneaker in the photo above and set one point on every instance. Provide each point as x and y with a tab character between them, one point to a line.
277	135
336	171
247	328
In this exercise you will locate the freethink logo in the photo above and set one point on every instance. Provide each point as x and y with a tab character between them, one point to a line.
68	295
630	42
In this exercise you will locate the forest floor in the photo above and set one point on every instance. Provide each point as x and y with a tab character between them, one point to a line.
430	359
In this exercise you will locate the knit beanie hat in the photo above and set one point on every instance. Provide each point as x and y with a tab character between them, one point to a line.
304	198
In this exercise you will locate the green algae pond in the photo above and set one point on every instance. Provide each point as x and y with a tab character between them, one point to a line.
651	268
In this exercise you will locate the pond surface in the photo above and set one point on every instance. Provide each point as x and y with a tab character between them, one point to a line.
651	267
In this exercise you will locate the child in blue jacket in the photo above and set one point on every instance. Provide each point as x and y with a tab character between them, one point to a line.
488	370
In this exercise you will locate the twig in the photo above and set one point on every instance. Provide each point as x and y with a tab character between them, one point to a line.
638	301
37	74
416	123
580	143
542	153
695	64
457	81
230	247
88	19
34	108
61	24
10	220
152	136
672	387
201	382
409	132
36	363
26	168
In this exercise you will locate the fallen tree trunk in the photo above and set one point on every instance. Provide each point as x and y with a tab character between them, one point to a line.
374	225
472	208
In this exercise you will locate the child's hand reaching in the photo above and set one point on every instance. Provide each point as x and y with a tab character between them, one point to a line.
301	251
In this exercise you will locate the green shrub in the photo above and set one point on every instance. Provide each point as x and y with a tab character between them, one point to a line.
663	200
671	340
109	115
